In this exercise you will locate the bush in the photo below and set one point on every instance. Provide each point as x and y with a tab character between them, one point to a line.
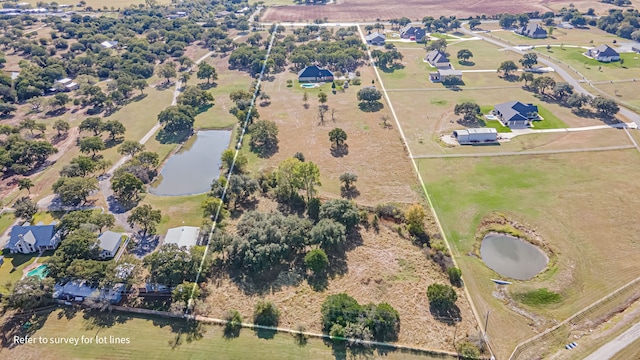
339	309
316	260
233	325
313	209
441	297
442	259
414	217
468	351
266	314
342	211
356	81
390	211
455	276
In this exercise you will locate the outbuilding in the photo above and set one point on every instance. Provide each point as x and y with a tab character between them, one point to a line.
475	136
183	236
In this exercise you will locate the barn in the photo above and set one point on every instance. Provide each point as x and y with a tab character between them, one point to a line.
474	136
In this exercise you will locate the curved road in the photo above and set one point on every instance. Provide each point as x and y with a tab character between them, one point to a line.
562	72
608	350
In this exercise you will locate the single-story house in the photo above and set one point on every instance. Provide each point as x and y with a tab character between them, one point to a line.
79	290
438	59
221	14
375	38
27	239
65	84
109	243
183	236
108	44
313	73
534	31
473	136
603	53
515	114
412	33
444	73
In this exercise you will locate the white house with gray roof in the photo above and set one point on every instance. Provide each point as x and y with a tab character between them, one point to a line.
33	238
533	31
603	53
438	59
183	236
109	243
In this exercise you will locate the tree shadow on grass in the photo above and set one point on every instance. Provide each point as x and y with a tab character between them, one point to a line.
139	97
472	123
231	332
95	110
391	69
23	324
339	150
448	316
183	329
266	334
466	63
350	193
203	109
165	137
96	318
264	152
319	281
205	86
370	106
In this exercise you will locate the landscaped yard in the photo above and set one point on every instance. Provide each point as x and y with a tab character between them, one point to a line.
158	338
6	220
570	200
550	120
9	276
595	70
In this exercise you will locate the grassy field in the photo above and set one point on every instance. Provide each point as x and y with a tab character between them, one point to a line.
593	69
159	338
6	220
550	120
176	210
582	37
570	200
626	92
8	276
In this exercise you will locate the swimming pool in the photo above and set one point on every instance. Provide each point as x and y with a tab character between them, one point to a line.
308	86
40	271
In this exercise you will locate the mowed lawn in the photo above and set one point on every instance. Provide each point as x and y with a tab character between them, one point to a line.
573	201
160	338
627	68
559	36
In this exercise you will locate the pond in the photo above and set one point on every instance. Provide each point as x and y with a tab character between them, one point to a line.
191	171
512	257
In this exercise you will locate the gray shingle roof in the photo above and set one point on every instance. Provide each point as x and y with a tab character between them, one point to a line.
436	56
375	36
38	235
532	30
515	110
314	71
603	50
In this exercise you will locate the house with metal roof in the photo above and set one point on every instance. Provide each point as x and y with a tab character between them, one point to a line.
183	236
109	243
314	73
515	114
445	75
33	238
476	136
534	31
603	53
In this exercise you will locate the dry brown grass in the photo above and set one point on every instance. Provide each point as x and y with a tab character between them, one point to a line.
375	154
370	10
385	268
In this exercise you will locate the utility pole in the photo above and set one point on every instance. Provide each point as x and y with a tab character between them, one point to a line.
486	322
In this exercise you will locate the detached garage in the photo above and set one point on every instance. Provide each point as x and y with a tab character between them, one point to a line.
474	136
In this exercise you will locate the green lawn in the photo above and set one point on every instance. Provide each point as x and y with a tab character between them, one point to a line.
8	276
6	220
550	121
497	125
176	210
570	200
593	69
161	338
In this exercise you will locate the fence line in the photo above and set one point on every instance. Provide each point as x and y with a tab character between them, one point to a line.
572	320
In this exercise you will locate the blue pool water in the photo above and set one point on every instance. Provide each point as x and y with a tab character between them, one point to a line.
40	271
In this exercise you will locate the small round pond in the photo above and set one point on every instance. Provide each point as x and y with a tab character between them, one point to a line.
191	171
512	257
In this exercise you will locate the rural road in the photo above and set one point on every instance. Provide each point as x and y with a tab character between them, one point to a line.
533	152
562	72
611	348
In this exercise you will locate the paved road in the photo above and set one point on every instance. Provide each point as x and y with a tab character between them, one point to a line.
562	72
611	348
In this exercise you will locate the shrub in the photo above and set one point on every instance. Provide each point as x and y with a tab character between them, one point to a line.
316	260
442	259
313	209
441	297
468	351
390	211
266	314
342	211
356	81
339	309
233	325
455	276
414	217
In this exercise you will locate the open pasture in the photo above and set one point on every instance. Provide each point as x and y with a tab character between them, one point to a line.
570	200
